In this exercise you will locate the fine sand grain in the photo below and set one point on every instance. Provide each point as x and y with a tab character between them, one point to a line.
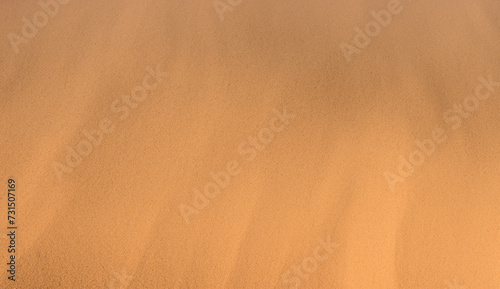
251	144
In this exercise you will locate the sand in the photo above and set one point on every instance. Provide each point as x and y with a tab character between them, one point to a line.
251	144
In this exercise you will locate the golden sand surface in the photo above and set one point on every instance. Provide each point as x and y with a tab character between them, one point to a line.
250	144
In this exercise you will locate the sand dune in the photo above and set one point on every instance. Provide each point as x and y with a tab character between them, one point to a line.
251	144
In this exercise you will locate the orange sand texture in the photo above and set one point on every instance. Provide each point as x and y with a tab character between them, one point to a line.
251	144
